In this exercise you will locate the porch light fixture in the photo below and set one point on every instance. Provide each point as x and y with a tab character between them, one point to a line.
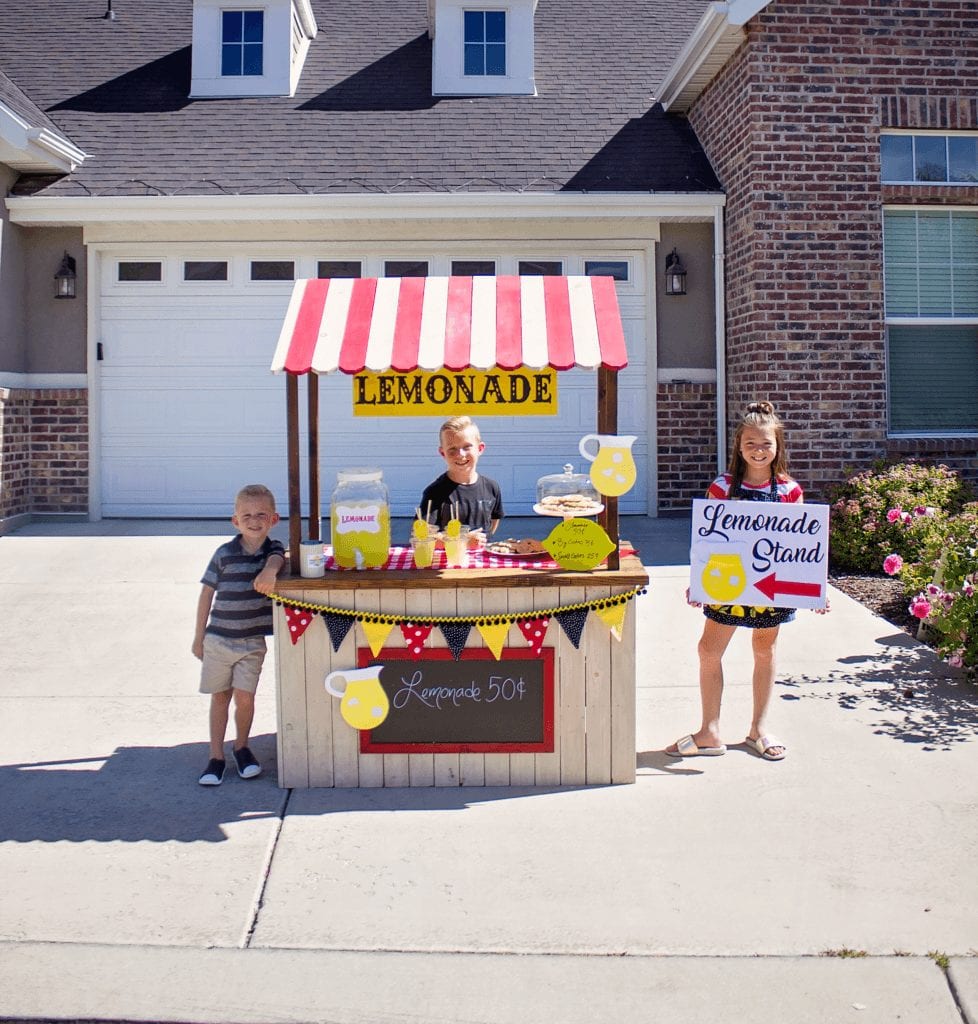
675	274
65	278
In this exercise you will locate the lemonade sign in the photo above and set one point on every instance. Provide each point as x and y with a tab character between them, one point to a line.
760	554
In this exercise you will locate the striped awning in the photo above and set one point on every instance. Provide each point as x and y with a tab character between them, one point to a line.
433	323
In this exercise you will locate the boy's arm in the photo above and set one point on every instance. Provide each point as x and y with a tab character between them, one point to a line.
204	603
265	580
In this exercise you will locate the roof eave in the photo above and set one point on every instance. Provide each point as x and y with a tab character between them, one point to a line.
36	150
710	45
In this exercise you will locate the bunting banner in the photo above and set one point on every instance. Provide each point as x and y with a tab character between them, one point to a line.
298	620
415	635
494	633
338	626
456	633
613	616
376	634
534	630
493	628
572	623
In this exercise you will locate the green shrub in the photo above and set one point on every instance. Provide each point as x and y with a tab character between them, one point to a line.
863	529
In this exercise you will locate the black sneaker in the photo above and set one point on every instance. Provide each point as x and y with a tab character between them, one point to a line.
213	773
248	767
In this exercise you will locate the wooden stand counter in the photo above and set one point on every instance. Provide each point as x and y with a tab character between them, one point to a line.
592	687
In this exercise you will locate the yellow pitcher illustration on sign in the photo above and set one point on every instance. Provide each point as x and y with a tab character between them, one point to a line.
612	466
363	702
723	577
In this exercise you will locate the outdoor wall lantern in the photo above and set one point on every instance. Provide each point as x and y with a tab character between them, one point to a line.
675	274
65	278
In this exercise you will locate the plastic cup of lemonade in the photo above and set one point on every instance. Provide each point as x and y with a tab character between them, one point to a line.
457	550
423	549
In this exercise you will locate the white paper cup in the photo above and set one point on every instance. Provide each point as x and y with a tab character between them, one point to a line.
312	559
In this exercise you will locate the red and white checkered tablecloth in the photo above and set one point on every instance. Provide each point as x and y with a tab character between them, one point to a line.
401	558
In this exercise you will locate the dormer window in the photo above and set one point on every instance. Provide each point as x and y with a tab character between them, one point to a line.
242	42
481	51
485	42
249	47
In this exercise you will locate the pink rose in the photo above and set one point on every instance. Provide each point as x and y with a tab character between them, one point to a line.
933	589
892	564
968	590
893	515
920	607
955	660
906	518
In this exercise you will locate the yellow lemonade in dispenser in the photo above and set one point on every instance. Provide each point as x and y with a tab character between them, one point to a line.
612	467
360	519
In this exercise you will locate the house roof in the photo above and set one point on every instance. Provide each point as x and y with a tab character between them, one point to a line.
363	118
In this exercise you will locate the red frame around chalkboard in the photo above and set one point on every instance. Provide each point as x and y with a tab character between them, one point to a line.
365	657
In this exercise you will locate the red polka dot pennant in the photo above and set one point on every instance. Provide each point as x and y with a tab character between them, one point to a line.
298	620
415	634
534	630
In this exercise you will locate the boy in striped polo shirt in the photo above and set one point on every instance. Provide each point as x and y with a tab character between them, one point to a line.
233	619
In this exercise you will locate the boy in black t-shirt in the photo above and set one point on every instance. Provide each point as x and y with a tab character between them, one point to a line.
477	498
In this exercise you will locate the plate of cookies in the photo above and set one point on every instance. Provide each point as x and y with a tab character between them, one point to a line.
513	548
568	505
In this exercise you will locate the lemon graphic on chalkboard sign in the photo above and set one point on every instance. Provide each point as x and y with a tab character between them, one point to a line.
578	545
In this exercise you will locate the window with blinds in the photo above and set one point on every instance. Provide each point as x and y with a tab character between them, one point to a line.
931	297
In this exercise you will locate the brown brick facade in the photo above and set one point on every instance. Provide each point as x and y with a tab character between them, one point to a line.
687	459
43	451
792	126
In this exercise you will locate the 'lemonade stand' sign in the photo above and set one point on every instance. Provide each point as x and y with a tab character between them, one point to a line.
753	553
521	392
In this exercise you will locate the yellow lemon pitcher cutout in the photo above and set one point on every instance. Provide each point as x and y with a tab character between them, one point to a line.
363	703
723	577
612	466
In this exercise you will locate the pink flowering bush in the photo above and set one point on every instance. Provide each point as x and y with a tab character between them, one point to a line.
891	509
943	587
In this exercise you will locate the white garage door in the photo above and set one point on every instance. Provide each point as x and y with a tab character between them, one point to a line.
189	411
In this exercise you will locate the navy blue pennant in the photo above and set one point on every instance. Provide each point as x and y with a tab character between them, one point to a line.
572	623
338	626
456	634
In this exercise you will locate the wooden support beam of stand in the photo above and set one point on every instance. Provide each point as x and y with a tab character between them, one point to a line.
312	383
295	505
608	424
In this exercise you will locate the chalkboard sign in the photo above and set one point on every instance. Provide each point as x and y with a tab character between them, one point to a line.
474	705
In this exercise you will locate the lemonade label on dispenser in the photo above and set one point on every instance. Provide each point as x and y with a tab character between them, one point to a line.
360	520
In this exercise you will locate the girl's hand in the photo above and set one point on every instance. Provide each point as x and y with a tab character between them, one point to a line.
692	604
823	611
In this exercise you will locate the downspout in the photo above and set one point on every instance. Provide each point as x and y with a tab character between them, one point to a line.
719	287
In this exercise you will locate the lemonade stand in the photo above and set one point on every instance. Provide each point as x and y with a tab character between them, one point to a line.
431	665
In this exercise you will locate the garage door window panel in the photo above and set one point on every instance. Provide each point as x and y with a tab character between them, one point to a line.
205	270
140	272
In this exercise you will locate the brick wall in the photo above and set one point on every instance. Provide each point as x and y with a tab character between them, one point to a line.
792	128
687	449
43	451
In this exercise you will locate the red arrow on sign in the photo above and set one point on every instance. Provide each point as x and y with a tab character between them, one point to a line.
771	585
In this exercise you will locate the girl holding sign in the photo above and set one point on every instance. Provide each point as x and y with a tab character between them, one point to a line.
758	471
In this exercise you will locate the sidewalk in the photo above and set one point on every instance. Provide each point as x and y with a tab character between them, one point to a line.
708	890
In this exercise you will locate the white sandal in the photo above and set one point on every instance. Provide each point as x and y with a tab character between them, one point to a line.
764	745
686	747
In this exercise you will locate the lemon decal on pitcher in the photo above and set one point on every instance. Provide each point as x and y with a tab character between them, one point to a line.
612	466
363	702
723	577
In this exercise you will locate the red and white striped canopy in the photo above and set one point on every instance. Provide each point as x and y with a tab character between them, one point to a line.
433	323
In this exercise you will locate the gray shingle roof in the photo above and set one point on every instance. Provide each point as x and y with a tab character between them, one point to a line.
14	98
363	118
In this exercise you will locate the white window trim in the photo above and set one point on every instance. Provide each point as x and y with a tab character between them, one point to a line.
448	76
911	132
281	68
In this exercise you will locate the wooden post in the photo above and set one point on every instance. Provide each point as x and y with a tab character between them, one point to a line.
295	505
312	383
608	424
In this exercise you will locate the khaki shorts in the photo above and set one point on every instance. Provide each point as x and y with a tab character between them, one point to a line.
231	663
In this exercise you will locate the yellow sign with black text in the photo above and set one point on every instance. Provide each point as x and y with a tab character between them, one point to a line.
495	392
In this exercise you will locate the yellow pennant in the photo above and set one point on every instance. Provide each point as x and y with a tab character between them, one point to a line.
494	635
376	633
613	617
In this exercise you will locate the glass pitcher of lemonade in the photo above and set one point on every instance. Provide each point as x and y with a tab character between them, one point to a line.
360	519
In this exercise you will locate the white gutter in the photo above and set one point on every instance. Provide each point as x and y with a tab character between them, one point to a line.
57	145
80	211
